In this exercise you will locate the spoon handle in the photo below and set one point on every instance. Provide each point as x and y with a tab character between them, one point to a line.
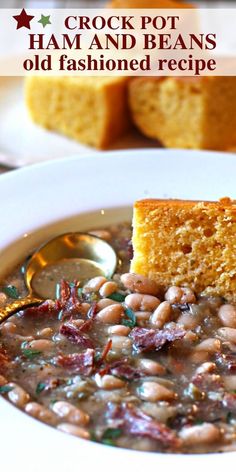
17	305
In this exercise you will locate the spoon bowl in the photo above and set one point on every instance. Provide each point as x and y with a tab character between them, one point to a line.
72	256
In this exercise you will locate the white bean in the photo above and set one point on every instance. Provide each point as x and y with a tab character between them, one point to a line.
173	294
94	284
108	382
23	338
188	295
180	295
41	345
188	321
110	314
210	345
70	413
104	302
78	322
198	357
107	289
3	298
206	367
142	317
161	315
151	367
119	330
84	308
229	334
229	382
121	345
8	328
227	315
3	381
153	392
161	412
205	433
18	395
190	337
140	302
45	332
140	284
73	429
40	412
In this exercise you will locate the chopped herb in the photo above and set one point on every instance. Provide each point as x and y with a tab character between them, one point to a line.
116	296
5	388
93	436
131	321
112	433
97	357
58	291
11	291
193	392
30	353
80	292
128	323
108	442
229	416
92	297
198	422
40	387
54	400
140	389
109	435
69	382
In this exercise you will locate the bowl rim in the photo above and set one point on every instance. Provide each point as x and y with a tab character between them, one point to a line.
130	171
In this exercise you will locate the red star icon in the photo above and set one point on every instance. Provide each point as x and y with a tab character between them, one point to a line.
23	20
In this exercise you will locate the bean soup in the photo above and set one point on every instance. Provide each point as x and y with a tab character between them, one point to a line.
121	363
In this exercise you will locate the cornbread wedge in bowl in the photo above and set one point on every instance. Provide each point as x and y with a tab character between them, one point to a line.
187	243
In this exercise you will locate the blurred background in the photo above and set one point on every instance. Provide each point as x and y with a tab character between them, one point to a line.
95	3
35	125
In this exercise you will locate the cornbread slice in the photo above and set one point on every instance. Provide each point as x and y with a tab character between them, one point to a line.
187	243
92	110
186	112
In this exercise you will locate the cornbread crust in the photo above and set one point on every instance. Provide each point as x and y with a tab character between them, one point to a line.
186	112
92	110
187	243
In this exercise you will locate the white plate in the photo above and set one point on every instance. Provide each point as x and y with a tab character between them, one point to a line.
22	142
38	195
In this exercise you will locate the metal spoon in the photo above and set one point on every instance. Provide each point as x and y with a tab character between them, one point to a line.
84	254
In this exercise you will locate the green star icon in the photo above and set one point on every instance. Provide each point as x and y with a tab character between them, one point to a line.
45	20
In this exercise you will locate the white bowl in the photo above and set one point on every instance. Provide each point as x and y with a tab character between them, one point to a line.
42	194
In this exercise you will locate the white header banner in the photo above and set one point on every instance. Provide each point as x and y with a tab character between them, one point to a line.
109	42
